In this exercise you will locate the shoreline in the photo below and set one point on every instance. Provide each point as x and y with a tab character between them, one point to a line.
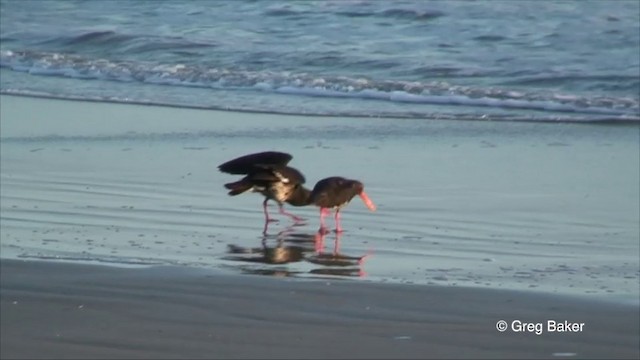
53	310
612	121
326	275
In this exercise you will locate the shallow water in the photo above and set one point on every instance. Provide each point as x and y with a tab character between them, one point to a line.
539	207
498	60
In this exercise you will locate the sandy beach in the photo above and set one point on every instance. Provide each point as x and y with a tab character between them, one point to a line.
476	222
53	310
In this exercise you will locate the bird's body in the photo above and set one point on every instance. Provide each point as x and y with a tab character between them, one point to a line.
267	173
333	193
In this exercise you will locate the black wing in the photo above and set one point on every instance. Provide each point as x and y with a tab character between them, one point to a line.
247	163
275	173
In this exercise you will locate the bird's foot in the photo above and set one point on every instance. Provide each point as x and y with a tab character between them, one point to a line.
297	219
338	231
294	218
272	220
323	230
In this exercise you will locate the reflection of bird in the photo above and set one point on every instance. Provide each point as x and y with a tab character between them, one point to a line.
267	173
335	262
278	254
291	247
288	247
334	193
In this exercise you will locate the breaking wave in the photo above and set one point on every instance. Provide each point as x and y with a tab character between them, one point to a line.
315	85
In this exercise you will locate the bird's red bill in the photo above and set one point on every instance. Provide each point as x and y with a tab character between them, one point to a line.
367	201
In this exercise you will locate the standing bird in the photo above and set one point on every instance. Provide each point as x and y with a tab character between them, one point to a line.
267	173
334	193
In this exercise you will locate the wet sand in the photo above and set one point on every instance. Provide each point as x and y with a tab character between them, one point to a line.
476	222
60	310
539	207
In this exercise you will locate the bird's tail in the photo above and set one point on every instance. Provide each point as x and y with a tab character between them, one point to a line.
238	187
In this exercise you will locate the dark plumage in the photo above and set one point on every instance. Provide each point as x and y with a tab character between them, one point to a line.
245	164
267	173
334	193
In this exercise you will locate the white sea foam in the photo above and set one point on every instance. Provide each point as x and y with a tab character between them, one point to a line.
302	84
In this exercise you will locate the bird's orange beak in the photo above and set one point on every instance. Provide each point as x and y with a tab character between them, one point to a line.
367	201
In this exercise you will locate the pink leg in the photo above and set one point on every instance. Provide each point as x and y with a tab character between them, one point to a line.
297	219
337	218
336	244
319	242
266	213
323	213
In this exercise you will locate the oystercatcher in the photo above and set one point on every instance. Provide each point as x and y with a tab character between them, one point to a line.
267	173
334	193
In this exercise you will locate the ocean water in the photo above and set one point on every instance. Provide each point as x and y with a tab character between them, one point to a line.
544	61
